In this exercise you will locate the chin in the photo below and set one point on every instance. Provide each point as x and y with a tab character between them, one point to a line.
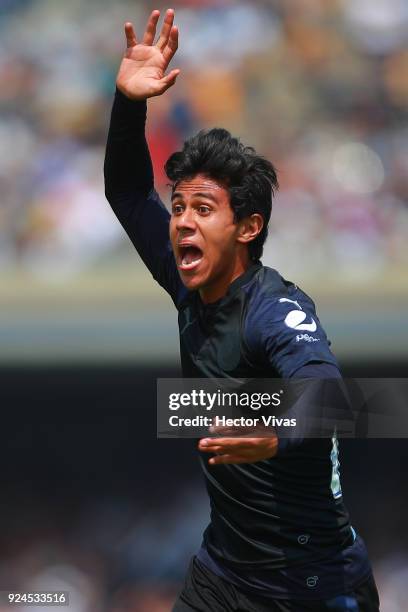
191	283
196	280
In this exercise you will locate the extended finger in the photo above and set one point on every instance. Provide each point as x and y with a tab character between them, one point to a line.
167	81
150	32
210	449
222	429
248	455
237	431
130	35
172	45
220	459
227	444
166	29
230	441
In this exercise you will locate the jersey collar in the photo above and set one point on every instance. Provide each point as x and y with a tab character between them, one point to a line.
234	287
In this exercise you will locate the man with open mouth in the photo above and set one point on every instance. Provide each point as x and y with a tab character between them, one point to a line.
279	536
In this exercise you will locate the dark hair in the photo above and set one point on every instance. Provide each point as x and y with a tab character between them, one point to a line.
250	179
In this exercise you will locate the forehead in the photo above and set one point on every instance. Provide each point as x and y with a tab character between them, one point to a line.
200	184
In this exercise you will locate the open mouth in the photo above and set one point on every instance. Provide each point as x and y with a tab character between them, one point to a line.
189	257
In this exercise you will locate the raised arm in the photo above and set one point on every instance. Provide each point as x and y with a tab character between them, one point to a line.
128	169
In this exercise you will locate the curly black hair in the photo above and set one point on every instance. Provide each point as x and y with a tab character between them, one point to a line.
250	179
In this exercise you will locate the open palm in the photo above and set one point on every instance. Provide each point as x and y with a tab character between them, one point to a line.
142	71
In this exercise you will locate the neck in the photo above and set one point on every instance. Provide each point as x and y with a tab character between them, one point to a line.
219	287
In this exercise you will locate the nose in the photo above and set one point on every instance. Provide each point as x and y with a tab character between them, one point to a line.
186	220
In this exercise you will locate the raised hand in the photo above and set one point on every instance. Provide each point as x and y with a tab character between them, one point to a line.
142	71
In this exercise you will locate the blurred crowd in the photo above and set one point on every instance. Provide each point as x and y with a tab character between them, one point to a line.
318	86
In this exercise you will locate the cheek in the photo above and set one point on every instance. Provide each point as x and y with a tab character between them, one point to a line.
172	231
223	239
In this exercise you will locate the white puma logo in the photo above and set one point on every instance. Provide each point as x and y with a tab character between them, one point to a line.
294	319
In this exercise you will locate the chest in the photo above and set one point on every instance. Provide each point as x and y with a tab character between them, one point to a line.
211	341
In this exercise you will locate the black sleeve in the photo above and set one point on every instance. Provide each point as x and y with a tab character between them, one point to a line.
130	191
286	333
318	370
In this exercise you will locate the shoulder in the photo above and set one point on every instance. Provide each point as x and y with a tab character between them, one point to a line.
274	298
282	325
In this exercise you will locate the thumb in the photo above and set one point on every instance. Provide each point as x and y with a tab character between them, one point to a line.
168	80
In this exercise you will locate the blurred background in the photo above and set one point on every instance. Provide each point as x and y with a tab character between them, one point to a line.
91	502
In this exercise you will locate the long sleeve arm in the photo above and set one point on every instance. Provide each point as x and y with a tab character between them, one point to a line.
315	370
130	191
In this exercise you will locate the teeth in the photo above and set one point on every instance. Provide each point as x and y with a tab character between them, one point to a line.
192	264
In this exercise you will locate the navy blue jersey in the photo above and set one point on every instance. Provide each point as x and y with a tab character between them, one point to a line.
276	517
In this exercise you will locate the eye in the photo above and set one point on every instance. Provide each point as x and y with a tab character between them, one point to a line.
177	209
203	209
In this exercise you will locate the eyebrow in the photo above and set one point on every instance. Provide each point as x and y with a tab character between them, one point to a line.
199	194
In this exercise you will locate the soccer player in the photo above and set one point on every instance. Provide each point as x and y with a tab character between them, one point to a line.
279	536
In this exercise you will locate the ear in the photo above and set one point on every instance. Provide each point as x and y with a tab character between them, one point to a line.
249	228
